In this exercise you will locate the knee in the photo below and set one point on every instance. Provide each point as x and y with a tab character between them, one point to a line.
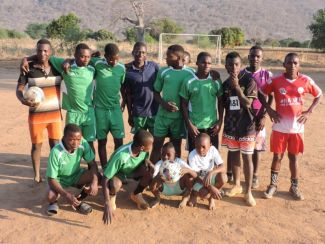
36	146
277	157
51	196
115	185
222	179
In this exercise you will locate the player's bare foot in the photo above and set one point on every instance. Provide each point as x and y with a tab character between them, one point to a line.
184	202
250	199
38	179
193	200
139	200
156	202
212	203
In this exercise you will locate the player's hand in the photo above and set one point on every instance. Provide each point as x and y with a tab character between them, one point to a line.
184	171
130	121
29	103
260	124
170	106
193	130
215	74
108	213
24	66
215	193
72	200
274	116
207	180
93	189
216	129
66	66
234	80
123	104
150	167
303	117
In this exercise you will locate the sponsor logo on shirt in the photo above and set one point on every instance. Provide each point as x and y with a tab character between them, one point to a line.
282	91
291	101
300	90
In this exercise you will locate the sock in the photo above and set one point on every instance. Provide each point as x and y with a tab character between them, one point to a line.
139	189
274	177
294	182
82	195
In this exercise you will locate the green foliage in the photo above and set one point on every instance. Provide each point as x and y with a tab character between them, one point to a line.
149	39
271	42
317	28
101	35
3	33
230	36
295	44
164	25
16	34
286	42
36	30
130	34
60	27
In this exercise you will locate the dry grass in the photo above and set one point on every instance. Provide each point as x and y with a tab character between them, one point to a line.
17	48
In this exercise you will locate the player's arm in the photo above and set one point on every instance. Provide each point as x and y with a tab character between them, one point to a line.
108	211
24	64
243	99
55	186
128	101
305	114
169	106
20	89
193	130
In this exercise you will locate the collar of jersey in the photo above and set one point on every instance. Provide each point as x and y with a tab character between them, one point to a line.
209	77
246	70
291	81
74	65
135	68
184	67
61	144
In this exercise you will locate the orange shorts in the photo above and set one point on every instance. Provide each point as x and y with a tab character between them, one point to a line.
280	142
54	131
245	144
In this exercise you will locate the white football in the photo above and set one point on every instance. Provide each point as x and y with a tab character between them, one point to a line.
170	171
34	94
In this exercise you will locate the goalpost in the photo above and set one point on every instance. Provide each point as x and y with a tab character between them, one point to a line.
192	43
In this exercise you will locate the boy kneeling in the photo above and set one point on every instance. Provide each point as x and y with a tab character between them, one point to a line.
63	170
130	161
207	162
182	186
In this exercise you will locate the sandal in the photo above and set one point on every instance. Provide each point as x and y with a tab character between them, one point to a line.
53	208
84	208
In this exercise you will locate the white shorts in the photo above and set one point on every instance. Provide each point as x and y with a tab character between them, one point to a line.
260	141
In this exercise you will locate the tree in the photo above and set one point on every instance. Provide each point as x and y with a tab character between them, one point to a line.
138	8
230	36
58	28
317	28
271	42
101	35
164	25
36	30
286	42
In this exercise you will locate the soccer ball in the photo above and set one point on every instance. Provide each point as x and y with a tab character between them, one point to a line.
170	171
34	94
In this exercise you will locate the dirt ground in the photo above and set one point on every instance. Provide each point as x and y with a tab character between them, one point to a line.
23	216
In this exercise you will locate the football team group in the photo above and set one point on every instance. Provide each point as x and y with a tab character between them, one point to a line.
176	102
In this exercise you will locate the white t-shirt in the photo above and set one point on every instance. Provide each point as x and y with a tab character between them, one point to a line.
203	165
179	161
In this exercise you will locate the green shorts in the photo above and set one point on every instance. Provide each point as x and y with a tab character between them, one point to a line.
146	123
71	180
109	120
172	189
86	121
199	186
173	128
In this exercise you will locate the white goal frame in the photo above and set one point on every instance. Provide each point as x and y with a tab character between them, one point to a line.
217	51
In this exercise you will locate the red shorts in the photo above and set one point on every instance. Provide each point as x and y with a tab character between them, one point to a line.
245	144
54	131
281	141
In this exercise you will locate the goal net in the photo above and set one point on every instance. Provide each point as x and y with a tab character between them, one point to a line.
192	43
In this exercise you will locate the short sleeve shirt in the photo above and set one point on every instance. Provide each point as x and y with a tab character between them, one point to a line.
140	84
204	164
78	86
168	83
289	100
202	95
48	110
63	165
123	162
179	161
108	83
239	121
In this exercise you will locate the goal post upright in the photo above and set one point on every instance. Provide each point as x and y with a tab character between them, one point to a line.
217	52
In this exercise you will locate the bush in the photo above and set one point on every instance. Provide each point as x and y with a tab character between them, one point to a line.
271	42
230	36
16	34
3	34
60	27
164	26
101	35
130	34
295	44
317	28
36	30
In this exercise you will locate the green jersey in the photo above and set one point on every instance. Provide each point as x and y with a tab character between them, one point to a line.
108	83
169	82
122	161
77	95
202	96
63	166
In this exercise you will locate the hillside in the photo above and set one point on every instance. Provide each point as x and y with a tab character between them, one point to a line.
259	18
